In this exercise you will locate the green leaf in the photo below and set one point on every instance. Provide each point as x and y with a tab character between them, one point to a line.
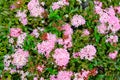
100	77
96	34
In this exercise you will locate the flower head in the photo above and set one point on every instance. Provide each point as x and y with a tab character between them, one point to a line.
82	75
20	58
88	52
113	55
48	45
112	39
62	75
35	8
35	33
85	32
77	20
61	57
22	17
40	68
59	4
102	28
15	32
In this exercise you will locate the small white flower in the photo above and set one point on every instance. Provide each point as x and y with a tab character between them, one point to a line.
66	15
43	3
11	40
42	21
79	1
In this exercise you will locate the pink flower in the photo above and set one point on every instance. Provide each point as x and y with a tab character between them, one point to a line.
112	39
104	18
110	11
113	55
20	40
85	32
62	75
108	16
114	25
35	8
82	75
42	78
68	31
55	6
77	20
98	3
13	71
35	78
60	41
65	2
43	47
118	9
102	28
20	58
51	37
12	7
15	32
61	57
22	17
76	55
98	7
98	10
68	42
24	21
59	4
88	52
35	33
40	68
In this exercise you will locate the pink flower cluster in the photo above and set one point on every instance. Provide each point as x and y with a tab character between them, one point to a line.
67	29
77	20
113	55
82	75
62	75
35	78
98	7
47	46
15	32
85	32
20	58
59	4
108	16
35	8
7	61
118	9
88	52
20	39
67	42
112	39
22	17
102	28
40	68
12	7
61	57
35	33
